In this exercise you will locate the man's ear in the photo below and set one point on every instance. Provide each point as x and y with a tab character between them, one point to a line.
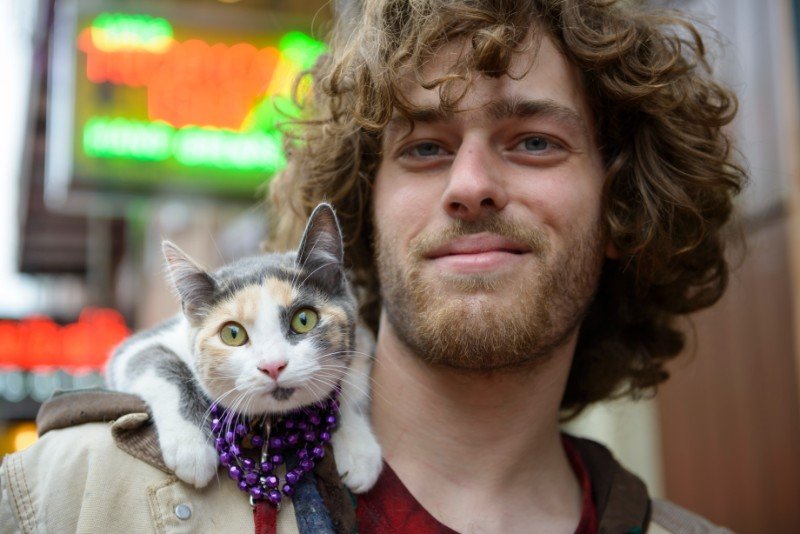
321	250
193	284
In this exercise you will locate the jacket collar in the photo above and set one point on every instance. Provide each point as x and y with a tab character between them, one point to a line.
621	498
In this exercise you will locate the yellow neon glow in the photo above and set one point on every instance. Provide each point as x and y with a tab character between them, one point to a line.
24	436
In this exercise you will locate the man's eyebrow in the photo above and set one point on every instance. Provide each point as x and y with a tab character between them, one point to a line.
509	108
420	115
497	110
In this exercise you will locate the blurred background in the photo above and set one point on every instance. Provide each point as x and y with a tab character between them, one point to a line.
126	122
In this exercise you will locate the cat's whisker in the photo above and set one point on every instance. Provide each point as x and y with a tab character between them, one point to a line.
303	265
309	275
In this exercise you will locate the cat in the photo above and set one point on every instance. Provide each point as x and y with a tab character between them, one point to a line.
263	335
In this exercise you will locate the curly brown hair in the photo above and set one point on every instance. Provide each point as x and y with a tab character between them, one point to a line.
671	169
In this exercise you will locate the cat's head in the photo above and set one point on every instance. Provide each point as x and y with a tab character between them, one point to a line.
273	332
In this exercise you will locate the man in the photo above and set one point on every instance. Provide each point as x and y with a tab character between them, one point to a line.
530	192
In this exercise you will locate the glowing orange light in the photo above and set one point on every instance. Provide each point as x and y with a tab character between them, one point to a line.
192	82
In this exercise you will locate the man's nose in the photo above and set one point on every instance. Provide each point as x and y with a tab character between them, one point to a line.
475	186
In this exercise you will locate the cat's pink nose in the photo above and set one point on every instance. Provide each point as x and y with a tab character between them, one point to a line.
273	369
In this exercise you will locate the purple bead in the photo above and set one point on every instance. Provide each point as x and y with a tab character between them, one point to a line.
214	408
225	459
234	472
274	496
220	444
242	485
257	441
292	439
235	450
276	459
315	419
256	493
310	436
250	478
248	463
216	425
271	481
306	465
288	490
266	467
289	424
302	454
331	419
325	436
302	425
292	477
275	443
318	451
241	430
230	436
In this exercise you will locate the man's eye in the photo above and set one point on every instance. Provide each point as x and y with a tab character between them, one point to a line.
424	150
536	144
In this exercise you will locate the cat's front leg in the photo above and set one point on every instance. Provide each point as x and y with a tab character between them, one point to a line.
187	452
185	447
355	449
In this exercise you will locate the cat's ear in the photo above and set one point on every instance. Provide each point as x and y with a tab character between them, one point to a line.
321	250
193	284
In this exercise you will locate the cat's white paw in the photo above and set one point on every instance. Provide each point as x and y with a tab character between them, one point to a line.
358	461
189	455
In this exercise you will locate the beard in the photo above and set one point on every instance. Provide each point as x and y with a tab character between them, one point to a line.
489	321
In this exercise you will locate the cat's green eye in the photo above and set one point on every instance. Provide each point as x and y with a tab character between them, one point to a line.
233	334
304	320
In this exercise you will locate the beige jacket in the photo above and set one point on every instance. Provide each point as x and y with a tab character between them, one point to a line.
97	468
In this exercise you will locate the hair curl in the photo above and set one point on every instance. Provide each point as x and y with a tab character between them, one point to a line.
671	171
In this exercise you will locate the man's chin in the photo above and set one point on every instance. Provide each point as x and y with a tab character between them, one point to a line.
456	284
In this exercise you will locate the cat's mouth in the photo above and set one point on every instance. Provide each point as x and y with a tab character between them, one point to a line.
282	393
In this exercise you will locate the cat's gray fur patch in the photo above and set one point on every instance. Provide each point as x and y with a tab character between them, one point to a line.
168	365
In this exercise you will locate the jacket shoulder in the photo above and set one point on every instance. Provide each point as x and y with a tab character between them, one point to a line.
93	405
669	517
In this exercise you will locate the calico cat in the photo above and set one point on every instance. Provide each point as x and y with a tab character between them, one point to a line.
263	335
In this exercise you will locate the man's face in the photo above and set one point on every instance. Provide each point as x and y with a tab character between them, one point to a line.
488	233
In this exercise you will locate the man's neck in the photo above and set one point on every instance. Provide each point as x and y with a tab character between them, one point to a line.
478	450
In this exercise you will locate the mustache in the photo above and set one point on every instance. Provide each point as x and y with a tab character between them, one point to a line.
510	229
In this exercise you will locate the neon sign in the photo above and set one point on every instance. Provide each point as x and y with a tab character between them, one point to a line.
158	141
39	343
174	98
201	97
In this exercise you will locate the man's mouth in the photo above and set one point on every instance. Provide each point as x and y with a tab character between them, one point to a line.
476	253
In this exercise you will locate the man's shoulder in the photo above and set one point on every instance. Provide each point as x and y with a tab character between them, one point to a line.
622	499
91	462
669	517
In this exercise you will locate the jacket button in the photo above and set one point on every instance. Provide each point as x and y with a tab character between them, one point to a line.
183	511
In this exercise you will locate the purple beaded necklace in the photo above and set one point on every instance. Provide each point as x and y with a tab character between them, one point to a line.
301	433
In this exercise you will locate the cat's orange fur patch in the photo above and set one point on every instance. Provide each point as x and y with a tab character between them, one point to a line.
280	290
336	313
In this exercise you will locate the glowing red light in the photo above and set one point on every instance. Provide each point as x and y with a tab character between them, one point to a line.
38	342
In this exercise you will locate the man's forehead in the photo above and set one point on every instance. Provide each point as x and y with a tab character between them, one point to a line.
540	82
